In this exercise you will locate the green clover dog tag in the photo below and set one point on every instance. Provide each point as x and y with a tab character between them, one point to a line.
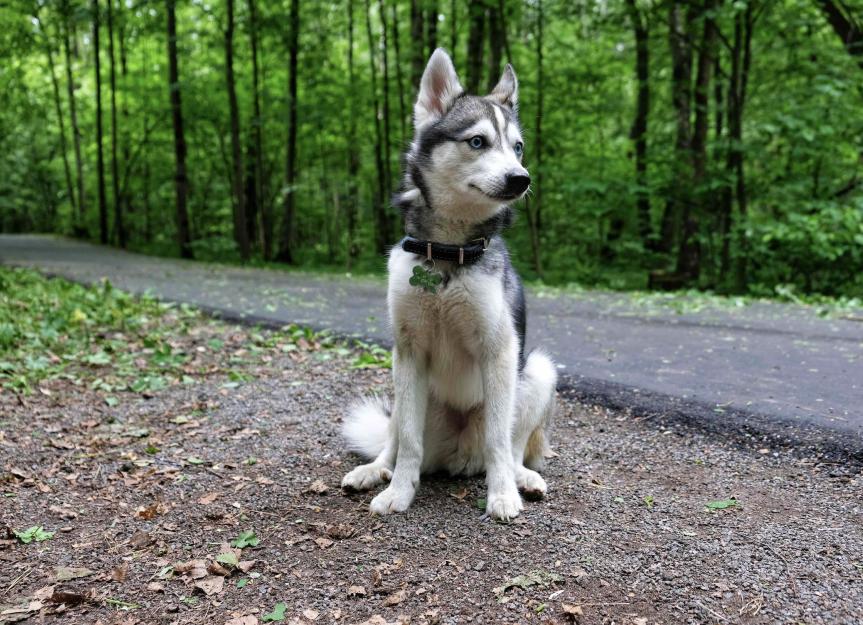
426	279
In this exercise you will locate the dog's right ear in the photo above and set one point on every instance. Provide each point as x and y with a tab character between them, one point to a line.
438	88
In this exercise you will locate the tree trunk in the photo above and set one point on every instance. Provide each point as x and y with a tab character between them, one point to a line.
241	233
119	228
58	108
689	253
399	75
418	58
843	24
382	225
125	196
257	204
286	244
475	45
681	96
352	204
534	208
103	202
78	226
431	25
181	181
639	125
388	181
495	47
453	30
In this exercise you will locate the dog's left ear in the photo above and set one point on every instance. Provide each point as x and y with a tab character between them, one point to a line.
506	90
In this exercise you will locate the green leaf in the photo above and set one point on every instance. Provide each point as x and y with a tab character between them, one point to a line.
229	558
112	401
246	539
241	583
194	460
278	613
648	501
33	534
722	504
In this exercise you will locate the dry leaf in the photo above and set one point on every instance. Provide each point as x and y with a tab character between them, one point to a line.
155	587
264	481
318	487
243	620
207	499
212	585
311	614
119	573
65	573
323	543
214	568
246	565
356	591
639	621
572	611
139	540
396	598
195	569
377	578
43	593
461	494
340	531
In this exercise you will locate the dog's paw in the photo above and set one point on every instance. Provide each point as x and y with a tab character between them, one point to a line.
530	483
392	500
366	476
503	506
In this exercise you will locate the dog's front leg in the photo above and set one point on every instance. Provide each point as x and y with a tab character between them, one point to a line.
409	414
499	377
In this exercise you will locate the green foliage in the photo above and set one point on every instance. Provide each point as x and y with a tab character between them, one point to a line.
33	534
802	137
245	539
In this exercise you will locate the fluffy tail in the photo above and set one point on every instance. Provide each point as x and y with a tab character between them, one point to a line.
367	426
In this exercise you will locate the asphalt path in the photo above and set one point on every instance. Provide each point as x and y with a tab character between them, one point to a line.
777	374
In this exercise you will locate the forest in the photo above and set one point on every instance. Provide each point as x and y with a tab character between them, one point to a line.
707	144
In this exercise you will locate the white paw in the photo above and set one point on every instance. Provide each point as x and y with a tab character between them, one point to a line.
366	476
530	483
503	506
391	500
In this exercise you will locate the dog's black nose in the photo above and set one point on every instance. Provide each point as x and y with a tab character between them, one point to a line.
516	184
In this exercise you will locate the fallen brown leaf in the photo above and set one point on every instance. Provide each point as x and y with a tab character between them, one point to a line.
119	573
65	573
214	568
356	591
212	585
323	543
318	487
396	597
340	531
155	587
207	499
243	620
311	614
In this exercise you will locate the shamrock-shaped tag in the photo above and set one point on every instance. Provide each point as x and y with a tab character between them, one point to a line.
426	279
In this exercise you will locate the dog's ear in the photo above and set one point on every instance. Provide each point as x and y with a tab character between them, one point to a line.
506	90
438	88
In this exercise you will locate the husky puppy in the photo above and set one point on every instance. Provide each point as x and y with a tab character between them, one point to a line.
467	400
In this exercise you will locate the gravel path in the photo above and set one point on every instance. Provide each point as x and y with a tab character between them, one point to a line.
140	492
771	371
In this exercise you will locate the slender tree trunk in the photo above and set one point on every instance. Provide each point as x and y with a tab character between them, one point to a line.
125	149
119	228
103	202
399	75
689	253
382	225
78	225
495	47
475	45
681	87
534	207
846	28
418	58
639	125
257	204
58	108
286	244
352	205
453	30
431	25
741	278
504	20
241	233
388	182
181	181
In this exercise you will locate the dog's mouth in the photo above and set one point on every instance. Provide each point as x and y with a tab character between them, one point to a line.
500	197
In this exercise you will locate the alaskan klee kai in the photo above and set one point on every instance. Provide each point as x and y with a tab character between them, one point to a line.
467	399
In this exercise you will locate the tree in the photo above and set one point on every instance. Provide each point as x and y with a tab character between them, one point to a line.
353	160
241	233
181	181
844	24
119	229
78	226
286	243
534	205
418	44
639	126
103	202
475	45
256	202
382	225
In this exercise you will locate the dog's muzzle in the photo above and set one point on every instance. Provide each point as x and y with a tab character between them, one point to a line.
516	184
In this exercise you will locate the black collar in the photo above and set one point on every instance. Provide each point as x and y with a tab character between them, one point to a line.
461	254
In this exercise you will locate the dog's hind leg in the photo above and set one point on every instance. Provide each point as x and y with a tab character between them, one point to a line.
370	432
533	415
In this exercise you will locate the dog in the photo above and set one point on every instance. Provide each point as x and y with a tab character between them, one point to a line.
467	399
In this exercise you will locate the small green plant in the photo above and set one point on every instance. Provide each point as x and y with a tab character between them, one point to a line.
246	539
33	534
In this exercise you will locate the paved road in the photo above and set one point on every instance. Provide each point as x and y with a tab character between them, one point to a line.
775	372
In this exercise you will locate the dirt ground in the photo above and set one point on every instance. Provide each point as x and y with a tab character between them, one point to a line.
142	498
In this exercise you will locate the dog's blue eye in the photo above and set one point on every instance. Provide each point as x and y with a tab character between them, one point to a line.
519	148
476	142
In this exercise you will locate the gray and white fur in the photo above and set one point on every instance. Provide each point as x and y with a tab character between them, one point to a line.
467	399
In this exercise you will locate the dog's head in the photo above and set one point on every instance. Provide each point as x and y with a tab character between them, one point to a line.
467	150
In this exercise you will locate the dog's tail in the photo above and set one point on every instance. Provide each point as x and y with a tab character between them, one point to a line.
366	427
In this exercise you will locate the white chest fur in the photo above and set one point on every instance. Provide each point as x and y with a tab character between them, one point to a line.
449	331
